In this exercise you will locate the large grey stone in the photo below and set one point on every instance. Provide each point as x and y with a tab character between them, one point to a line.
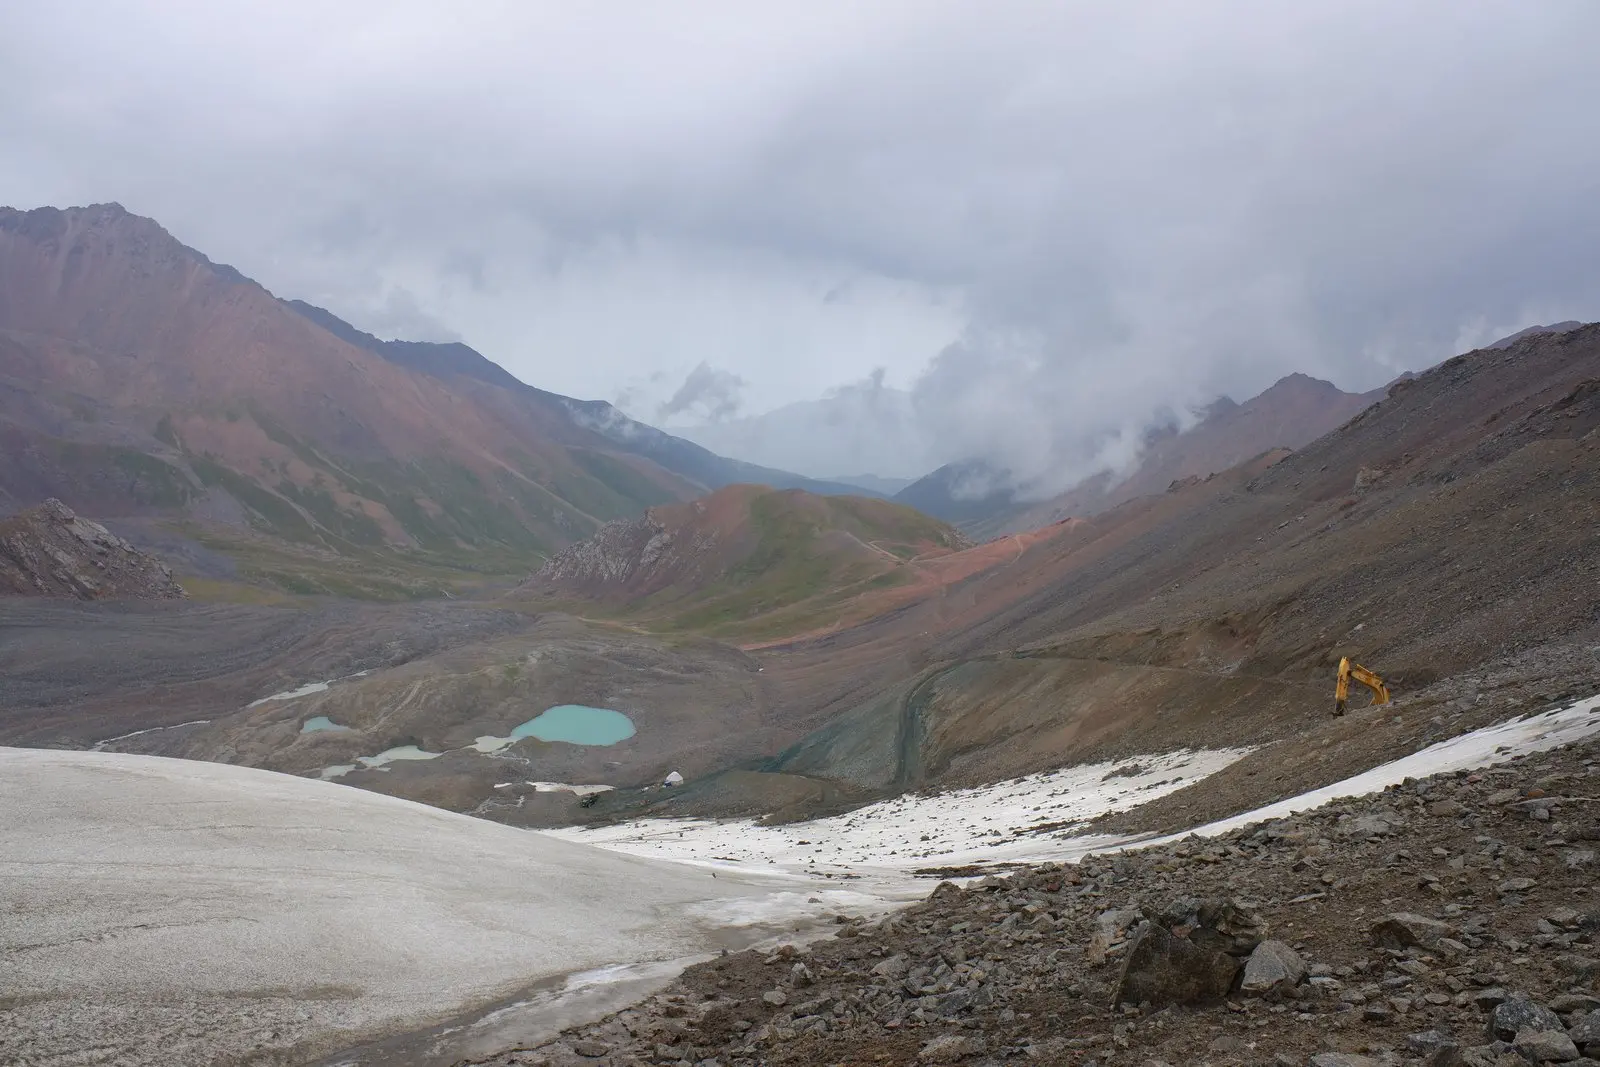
1405	929
1215	923
1161	968
1586	1032
1272	967
1545	1046
951	1048
1520	1013
1343	1059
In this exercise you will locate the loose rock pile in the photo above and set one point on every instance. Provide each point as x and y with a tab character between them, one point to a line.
50	551
1450	922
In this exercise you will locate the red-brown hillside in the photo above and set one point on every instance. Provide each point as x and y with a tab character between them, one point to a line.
138	376
752	560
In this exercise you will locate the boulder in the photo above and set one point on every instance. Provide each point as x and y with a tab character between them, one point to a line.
1162	968
1272	967
1545	1046
951	1048
1405	929
1586	1033
1519	1014
1216	923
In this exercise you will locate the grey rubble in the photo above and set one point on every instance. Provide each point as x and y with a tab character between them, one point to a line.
1419	918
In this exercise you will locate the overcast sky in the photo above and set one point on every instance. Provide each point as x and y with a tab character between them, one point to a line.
1045	221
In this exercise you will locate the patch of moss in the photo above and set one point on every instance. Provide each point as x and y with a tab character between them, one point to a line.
141	477
272	513
354	526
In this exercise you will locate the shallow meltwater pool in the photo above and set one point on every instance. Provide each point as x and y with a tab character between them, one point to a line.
578	725
321	722
574	724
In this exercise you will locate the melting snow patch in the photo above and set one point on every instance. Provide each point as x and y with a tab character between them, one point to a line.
1030	820
559	787
563	787
377	762
1006	821
1481	748
292	694
392	754
99	746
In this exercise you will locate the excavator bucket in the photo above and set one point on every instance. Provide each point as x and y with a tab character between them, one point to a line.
1347	671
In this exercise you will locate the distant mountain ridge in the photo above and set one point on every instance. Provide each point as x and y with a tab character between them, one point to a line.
137	377
1534	331
1294	411
454	360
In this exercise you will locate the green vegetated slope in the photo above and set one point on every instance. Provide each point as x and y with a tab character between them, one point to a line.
140	380
747	562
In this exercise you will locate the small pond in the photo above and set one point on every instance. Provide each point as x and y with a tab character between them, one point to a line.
321	722
578	725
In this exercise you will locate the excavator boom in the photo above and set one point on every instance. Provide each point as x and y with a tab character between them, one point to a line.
1347	671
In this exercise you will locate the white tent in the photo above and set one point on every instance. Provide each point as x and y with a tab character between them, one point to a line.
673	779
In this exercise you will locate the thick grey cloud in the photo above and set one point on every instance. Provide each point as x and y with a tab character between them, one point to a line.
1048	222
709	392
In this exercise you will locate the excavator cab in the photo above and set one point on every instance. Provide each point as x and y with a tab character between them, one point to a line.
1347	671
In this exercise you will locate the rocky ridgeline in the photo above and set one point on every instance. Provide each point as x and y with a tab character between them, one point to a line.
49	551
1449	922
620	552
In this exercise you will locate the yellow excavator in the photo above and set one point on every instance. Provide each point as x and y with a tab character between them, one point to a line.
1347	671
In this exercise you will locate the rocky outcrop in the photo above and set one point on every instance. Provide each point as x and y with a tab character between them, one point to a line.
50	551
625	553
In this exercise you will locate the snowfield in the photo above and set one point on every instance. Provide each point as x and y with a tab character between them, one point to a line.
164	911
1018	820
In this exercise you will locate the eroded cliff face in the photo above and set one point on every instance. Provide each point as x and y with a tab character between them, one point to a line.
50	551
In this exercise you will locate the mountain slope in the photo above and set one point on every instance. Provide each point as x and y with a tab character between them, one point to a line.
458	363
1444	533
138	378
1531	331
1296	410
969	492
746	560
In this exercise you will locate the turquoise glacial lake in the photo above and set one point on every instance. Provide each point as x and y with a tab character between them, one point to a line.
578	725
320	722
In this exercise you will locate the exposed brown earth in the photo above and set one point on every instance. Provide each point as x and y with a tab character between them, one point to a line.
50	551
1450	922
